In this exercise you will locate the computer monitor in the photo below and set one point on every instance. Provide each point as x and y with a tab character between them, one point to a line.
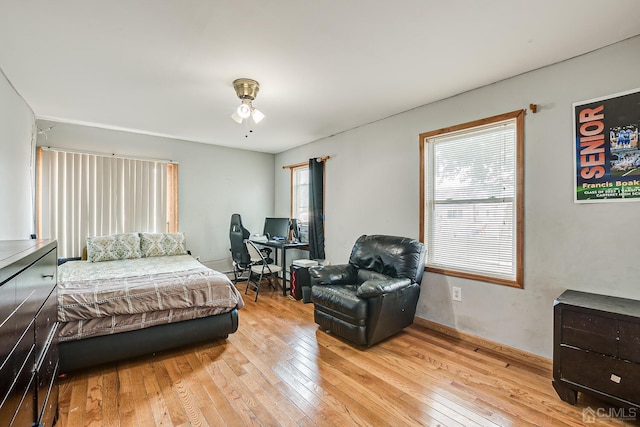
276	228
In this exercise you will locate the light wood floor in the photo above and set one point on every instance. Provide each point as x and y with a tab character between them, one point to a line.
279	369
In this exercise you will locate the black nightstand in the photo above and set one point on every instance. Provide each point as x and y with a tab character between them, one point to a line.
597	348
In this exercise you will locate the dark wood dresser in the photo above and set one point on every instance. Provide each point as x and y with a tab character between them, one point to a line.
597	348
28	333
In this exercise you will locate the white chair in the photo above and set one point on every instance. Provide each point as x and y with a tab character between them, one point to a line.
259	267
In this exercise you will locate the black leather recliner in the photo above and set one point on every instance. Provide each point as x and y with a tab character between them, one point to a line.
373	296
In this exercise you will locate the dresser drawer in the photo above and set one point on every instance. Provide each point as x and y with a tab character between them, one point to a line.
8	329
629	344
589	331
19	382
24	414
19	360
7	307
46	373
34	286
28	325
605	374
48	395
46	321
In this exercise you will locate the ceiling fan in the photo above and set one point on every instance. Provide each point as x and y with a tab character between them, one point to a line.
247	90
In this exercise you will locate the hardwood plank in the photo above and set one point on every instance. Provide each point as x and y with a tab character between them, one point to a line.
156	400
93	407
110	391
183	389
201	398
280	369
126	406
233	396
501	349
497	378
64	400
142	407
279	355
501	378
77	398
481	380
408	377
174	408
291	394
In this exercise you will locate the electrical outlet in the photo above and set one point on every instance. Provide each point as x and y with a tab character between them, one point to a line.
456	293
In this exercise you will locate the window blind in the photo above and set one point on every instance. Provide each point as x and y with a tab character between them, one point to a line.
471	201
300	191
81	195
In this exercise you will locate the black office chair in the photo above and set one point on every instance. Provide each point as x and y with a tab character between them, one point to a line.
241	259
236	224
239	254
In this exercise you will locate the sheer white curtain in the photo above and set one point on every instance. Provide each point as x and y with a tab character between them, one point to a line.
81	195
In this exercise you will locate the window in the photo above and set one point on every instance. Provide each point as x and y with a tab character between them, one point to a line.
472	207
82	194
300	197
300	193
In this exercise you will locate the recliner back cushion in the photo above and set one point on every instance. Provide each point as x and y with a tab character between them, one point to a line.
389	255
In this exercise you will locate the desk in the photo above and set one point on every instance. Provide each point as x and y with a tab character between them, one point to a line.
283	245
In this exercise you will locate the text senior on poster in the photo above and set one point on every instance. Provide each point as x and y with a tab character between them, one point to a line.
592	152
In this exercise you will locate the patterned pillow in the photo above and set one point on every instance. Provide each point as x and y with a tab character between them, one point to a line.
113	247
162	244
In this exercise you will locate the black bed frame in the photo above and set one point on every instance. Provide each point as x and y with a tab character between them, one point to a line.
95	351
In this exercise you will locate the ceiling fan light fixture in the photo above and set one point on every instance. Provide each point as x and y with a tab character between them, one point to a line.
246	90
244	110
257	115
236	117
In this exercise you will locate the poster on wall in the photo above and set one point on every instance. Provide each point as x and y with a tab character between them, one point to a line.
606	148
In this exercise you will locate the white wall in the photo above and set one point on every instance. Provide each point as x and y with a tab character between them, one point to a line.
372	186
214	182
16	156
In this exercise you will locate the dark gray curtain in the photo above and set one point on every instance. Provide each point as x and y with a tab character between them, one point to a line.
316	209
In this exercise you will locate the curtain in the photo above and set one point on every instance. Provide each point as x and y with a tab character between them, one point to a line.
82	195
316	209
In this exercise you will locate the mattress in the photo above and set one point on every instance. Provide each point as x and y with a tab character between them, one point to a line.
98	298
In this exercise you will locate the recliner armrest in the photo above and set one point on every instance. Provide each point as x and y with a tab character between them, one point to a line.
376	287
340	274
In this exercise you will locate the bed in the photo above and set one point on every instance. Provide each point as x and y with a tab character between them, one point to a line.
130	298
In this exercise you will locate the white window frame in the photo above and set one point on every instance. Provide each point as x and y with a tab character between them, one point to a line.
428	204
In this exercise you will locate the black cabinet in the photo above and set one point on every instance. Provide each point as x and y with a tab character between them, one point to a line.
28	333
597	348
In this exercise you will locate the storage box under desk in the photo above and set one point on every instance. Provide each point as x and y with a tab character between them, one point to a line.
302	282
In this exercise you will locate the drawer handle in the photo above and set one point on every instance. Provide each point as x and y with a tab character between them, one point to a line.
50	276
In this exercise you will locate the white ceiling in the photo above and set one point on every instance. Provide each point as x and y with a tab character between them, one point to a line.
166	67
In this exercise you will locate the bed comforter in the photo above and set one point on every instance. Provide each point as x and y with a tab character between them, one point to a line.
98	298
